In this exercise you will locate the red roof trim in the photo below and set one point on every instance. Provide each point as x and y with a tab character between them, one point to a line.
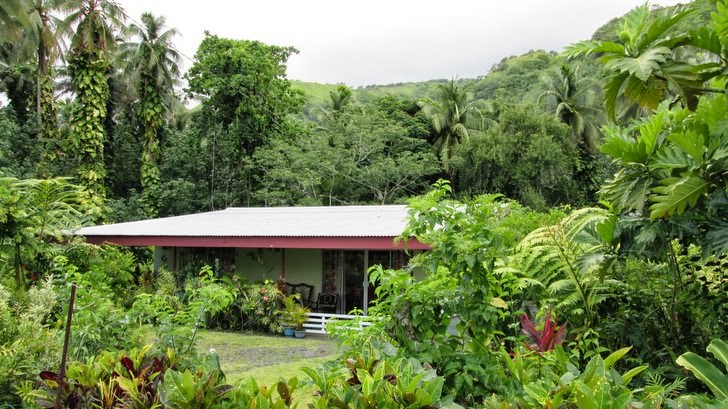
344	243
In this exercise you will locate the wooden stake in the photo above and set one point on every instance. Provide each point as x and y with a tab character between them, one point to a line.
64	355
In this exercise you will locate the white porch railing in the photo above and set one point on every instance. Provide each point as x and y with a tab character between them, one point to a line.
316	323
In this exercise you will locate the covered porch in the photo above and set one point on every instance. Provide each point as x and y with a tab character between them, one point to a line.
342	273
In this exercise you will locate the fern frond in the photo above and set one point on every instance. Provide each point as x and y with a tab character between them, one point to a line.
560	286
578	220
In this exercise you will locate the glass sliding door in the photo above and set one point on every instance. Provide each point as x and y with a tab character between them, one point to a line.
383	258
345	273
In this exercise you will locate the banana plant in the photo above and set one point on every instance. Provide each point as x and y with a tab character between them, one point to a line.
711	376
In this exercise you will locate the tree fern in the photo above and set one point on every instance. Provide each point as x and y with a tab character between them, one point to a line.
569	259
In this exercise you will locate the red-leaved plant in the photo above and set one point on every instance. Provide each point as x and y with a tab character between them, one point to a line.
545	339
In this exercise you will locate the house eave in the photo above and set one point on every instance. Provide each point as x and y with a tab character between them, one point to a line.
343	243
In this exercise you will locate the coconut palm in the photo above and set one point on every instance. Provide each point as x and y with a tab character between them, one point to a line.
340	97
152	61
13	19
153	66
575	102
32	32
96	23
454	115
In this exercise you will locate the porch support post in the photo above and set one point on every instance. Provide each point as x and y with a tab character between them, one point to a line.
365	284
283	263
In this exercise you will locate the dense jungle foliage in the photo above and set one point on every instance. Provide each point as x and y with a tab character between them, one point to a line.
576	205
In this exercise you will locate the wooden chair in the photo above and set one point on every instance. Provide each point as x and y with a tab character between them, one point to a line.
327	302
304	290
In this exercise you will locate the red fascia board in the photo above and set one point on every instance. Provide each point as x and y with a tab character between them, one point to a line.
341	243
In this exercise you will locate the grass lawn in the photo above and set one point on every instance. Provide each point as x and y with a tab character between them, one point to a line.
268	358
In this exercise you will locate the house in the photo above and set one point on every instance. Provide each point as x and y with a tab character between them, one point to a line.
330	248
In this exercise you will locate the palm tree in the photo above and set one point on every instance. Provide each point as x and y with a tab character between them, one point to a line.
32	32
153	66
575	102
96	23
454	115
13	19
152	61
340	97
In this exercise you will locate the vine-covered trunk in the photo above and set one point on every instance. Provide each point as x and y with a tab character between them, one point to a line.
152	115
88	75
49	135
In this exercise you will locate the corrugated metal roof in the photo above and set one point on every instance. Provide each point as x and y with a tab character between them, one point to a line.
331	221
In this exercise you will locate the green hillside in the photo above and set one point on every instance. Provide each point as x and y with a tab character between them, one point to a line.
318	94
315	93
409	90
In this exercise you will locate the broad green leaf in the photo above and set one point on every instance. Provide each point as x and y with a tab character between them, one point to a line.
676	195
624	148
647	94
588	47
422	398
714	379
537	392
627	376
621	401
716	238
434	388
594	371
719	349
584	396
612	91
628	190
691	142
643	65
719	21
634	23
615	356
499	303
607	228
567	378
659	27
669	158
602	398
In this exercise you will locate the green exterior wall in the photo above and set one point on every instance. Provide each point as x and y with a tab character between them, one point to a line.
258	264
164	257
302	265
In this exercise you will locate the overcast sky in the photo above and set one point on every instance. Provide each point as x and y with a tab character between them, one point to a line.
388	41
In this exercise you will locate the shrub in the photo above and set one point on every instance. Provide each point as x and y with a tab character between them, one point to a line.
99	322
369	382
257	307
27	342
176	328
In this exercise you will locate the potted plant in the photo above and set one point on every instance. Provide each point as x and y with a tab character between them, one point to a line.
287	315
299	318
